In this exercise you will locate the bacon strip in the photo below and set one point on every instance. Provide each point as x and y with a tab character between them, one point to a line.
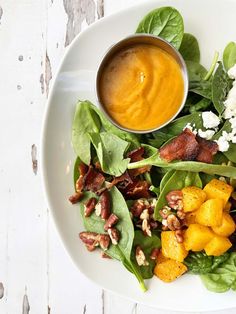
183	147
93	180
207	149
137	189
137	155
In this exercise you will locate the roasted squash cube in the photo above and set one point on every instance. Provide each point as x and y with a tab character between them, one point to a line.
210	213
227	207
171	248
196	237
161	258
227	226
169	270
193	197
190	218
217	246
218	189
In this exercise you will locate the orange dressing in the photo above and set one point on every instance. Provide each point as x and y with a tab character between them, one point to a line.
142	87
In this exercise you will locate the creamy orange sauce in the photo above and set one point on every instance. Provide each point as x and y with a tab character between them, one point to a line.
141	87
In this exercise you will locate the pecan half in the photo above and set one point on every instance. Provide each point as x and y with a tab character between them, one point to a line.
165	212
90	239
154	253
75	197
145	223
89	206
173	222
111	221
181	214
179	236
114	235
104	241
140	257
138	207
175	199
105	205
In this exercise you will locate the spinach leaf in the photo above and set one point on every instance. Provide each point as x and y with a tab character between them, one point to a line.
231	153
201	263
223	277
203	104
85	120
121	251
197	83
147	244
221	84
133	139
212	68
229	55
176	181
189	48
165	22
196	71
76	170
110	151
165	179
194	166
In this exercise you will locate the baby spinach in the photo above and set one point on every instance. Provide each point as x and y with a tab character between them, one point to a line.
189	48
223	277
85	120
194	166
229	55
200	263
110	151
165	22
165	179
202	105
221	84
133	139
176	180
122	251
196	71
147	244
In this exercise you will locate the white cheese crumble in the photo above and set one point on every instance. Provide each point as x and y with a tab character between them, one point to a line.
230	101
208	134
210	120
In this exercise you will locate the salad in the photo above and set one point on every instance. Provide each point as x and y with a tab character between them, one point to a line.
164	203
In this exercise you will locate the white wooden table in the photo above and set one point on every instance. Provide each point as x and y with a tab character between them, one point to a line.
36	274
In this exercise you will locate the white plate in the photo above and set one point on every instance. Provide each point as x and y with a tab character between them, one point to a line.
213	23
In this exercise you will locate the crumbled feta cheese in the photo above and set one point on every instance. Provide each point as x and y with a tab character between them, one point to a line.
210	120
232	72
191	128
230	101
223	144
208	134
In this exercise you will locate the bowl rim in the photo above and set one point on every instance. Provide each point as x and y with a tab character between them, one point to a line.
116	47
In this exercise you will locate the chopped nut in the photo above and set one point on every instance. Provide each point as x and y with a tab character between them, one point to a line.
164	222
111	221
146	227
137	208
175	199
165	212
173	222
154	253
75	197
181	214
153	224
104	241
90	239
179	236
105	205
89	206
144	214
114	235
140	257
98	209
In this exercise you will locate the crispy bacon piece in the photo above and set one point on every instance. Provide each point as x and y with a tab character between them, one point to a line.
137	154
122	181
137	189
93	180
79	185
183	147
207	149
